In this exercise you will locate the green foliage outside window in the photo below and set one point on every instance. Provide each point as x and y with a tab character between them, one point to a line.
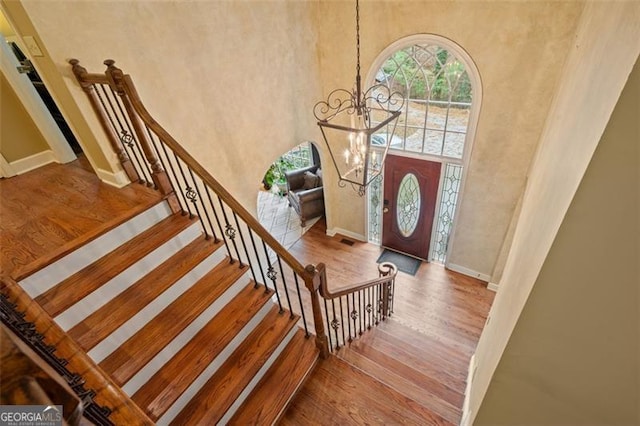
418	73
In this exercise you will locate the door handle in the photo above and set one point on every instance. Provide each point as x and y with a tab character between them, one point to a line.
385	210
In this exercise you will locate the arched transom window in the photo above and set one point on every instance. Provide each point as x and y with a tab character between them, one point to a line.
438	97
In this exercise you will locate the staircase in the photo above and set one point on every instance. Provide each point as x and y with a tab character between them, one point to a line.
181	327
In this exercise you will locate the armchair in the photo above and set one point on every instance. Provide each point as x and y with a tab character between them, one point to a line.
305	192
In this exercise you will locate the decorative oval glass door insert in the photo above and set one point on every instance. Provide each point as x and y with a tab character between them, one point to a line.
408	204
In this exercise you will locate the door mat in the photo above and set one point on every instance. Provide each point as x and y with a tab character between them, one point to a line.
407	264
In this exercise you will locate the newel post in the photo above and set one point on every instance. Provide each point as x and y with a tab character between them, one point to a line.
115	142
313	281
387	269
117	83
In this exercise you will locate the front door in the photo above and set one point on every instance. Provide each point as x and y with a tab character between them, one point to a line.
410	192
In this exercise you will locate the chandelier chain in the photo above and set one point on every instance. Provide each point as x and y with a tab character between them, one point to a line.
358	39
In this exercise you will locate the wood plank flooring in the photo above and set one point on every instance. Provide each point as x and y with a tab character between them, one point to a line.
46	212
418	358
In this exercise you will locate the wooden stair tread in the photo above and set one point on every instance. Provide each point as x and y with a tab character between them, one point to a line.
213	400
158	394
102	322
84	282
132	355
272	394
425	390
350	396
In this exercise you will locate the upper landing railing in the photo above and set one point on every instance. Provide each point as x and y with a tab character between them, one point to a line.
150	155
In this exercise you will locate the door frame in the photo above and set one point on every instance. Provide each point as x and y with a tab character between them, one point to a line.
33	104
474	115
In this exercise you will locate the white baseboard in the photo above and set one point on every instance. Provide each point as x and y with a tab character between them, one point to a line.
32	162
469	272
493	286
466	414
118	179
5	167
333	231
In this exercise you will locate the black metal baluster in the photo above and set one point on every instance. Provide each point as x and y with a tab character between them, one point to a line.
184	205
304	317
335	323
255	251
349	322
272	275
188	191
286	290
244	244
230	233
376	291
392	293
370	308
326	314
215	215
204	207
360	310
354	315
344	341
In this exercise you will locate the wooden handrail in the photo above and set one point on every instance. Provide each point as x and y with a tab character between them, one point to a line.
197	168
107	393
387	270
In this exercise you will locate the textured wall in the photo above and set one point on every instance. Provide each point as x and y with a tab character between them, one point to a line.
519	49
582	367
233	82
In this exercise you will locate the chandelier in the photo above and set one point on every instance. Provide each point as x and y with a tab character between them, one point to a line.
349	119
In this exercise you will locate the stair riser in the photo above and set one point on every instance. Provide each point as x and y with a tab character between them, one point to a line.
252	384
58	271
192	390
183	338
121	282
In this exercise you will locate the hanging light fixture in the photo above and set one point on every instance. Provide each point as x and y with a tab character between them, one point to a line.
348	119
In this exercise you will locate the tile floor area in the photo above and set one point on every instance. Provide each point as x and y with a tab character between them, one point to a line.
279	219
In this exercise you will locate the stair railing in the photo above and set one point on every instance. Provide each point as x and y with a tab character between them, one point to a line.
150	155
359	306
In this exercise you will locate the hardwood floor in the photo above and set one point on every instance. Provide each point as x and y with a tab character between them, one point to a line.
418	358
45	212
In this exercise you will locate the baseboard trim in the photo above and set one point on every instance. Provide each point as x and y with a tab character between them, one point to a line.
333	231
493	286
32	162
466	414
118	179
469	272
5	167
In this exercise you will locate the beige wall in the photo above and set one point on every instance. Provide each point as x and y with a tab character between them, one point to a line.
581	365
19	135
519	49
604	51
233	82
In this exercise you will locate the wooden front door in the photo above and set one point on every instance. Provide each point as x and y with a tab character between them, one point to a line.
410	192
